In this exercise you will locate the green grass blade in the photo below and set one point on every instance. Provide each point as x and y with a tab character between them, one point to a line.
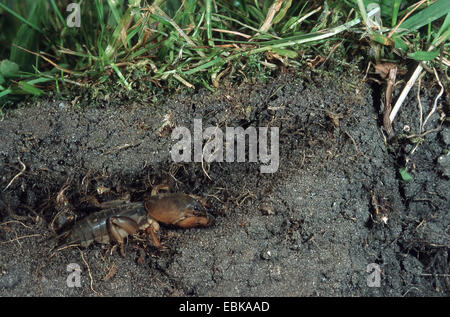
445	26
18	16
28	88
442	38
424	55
58	13
292	41
282	13
40	80
115	13
427	15
8	68
5	92
208	23
118	32
121	77
100	13
395	9
28	38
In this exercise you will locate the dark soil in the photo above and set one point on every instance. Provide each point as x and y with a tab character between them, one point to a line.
336	204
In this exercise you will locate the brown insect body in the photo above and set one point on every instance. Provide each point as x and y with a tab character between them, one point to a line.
180	210
118	219
97	226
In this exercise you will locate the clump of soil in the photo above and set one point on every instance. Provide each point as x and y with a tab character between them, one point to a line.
335	205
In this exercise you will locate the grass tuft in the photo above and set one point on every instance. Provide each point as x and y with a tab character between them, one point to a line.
204	43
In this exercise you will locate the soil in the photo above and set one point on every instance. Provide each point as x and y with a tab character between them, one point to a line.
336	206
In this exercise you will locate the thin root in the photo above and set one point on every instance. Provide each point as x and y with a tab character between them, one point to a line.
24	167
90	274
14	221
112	271
433	110
21	237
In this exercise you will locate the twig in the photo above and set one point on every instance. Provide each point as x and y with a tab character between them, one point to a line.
405	92
387	107
419	102
183	81
407	88
46	59
20	173
64	79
